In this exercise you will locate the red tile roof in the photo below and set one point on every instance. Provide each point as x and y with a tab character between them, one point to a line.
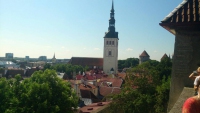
105	91
78	77
89	77
86	61
144	54
187	11
93	107
122	75
116	82
185	14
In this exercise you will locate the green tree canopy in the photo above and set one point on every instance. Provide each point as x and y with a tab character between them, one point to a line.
129	62
44	92
143	91
67	68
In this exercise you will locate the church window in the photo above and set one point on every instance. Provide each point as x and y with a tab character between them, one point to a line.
113	43
109	53
106	42
110	42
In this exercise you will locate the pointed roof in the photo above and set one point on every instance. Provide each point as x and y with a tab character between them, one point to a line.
111	29
144	54
54	56
112	9
185	14
164	56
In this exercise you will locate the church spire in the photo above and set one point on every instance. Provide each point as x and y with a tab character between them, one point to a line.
111	29
112	9
54	56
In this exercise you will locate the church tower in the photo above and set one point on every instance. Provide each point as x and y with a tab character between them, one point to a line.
54	59
110	54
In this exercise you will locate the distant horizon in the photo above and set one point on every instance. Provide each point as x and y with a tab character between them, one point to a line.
76	28
76	56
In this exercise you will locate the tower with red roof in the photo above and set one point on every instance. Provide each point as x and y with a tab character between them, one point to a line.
144	56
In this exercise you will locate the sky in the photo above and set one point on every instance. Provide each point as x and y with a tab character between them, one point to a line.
75	28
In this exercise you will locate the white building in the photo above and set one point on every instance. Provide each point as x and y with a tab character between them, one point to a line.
110	55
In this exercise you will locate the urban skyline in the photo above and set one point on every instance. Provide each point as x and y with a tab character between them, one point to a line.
76	28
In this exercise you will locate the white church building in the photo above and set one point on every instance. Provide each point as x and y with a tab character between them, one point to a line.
110	53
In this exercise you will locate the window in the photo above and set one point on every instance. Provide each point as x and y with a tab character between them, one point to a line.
106	42
110	42
109	53
113	43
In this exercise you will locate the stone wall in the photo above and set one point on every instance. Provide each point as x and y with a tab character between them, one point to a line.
186	59
185	94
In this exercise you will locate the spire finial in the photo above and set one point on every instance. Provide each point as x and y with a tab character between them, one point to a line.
112	10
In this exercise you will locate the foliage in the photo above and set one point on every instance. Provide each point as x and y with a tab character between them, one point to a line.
162	96
164	67
67	68
129	62
5	94
144	91
47	66
44	92
14	61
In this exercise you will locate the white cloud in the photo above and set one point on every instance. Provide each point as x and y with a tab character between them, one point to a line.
96	49
155	51
84	48
129	49
63	47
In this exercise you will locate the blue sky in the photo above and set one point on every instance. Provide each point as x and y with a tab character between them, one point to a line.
76	27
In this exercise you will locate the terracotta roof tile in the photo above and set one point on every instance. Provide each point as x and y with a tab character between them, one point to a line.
122	75
187	11
185	14
105	91
93	107
116	82
78	77
144	54
86	61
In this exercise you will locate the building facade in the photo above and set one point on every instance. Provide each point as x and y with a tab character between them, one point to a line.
54	59
110	54
9	55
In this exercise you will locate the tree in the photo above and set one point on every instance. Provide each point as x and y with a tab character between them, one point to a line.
44	92
143	91
47	66
5	94
14	61
165	68
129	62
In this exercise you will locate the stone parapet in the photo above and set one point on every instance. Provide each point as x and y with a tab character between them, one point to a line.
185	94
